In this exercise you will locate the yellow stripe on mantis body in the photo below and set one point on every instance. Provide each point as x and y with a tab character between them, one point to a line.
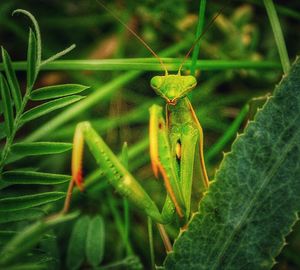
160	149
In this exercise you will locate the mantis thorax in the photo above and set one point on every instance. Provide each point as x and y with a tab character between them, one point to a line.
173	87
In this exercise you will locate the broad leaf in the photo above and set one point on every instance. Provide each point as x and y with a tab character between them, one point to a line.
49	107
32	177
95	241
76	248
24	214
7	106
28	201
12	79
40	148
253	202
56	91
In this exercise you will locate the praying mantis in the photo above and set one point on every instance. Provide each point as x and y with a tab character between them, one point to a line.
176	148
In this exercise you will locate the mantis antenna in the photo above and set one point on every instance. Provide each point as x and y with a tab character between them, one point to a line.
202	34
135	34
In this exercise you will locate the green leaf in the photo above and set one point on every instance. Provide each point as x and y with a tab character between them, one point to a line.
32	66
49	107
37	32
24	214
23	241
56	91
77	243
29	237
2	131
28	201
7	106
253	202
40	148
32	177
58	55
95	241
12	79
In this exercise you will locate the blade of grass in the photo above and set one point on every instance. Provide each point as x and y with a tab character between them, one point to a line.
228	135
199	30
278	35
149	64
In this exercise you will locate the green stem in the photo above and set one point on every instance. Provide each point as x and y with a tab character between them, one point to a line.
228	135
199	30
278	35
149	64
118	222
151	246
16	125
126	224
29	86
282	10
94	98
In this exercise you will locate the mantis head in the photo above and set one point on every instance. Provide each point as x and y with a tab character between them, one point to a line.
173	87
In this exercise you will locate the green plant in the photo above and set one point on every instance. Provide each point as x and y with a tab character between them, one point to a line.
24	205
235	39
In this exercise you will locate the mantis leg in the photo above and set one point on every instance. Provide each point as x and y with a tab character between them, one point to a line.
162	159
187	162
117	174
186	140
192	139
201	154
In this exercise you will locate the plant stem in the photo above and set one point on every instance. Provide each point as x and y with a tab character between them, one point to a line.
148	64
151	246
228	135
278	35
198	33
119	224
68	198
94	98
10	139
165	237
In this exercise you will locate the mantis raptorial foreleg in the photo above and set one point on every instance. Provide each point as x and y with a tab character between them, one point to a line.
162	159
186	137
117	174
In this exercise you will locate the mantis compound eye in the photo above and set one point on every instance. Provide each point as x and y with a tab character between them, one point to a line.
156	82
190	82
